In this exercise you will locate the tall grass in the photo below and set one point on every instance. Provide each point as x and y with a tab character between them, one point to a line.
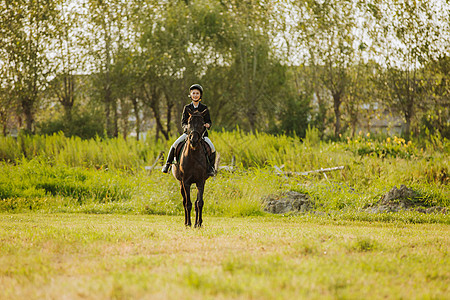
74	152
56	173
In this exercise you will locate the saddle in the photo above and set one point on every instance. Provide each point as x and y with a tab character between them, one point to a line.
181	146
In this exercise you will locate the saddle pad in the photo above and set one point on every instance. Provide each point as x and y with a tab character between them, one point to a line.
180	149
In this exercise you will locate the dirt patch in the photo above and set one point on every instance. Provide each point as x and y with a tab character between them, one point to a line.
403	198
287	202
397	199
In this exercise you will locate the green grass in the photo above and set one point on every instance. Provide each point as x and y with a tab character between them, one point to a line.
57	174
84	219
36	187
146	256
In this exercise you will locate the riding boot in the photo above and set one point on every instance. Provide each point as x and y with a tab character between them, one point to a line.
169	160
212	162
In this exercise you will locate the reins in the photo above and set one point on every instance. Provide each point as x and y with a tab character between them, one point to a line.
193	131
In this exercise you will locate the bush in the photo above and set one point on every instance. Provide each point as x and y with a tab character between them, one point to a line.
395	147
83	125
294	114
34	179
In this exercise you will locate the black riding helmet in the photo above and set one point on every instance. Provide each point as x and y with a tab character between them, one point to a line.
197	87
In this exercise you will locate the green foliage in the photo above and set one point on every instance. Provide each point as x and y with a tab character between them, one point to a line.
396	147
85	126
294	117
364	244
312	137
60	174
259	70
436	124
35	179
98	153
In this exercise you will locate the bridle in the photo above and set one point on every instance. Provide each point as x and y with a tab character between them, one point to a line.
194	132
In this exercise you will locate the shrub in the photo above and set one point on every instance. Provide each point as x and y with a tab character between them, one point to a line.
84	125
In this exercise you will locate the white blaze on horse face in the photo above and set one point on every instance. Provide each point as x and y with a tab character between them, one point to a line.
195	95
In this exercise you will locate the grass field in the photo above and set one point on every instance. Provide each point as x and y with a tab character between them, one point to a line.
85	220
79	256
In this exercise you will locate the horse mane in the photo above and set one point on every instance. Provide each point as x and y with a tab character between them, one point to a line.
197	113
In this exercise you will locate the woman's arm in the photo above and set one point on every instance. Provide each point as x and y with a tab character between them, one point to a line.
207	119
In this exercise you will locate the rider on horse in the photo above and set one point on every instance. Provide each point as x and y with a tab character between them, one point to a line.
196	92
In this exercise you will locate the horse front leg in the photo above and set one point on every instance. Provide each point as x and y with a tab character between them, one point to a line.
187	204
199	204
183	194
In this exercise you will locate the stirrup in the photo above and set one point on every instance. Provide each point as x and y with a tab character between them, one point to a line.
165	168
211	172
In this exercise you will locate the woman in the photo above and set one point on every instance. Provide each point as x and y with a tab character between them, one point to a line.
195	93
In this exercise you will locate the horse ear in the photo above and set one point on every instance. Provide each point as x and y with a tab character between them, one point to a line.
204	112
189	111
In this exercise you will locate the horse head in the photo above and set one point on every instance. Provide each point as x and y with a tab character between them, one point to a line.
196	127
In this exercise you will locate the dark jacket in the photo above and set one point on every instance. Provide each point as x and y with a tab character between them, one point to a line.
190	107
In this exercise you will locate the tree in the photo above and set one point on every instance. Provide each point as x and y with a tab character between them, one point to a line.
180	45
363	103
7	101
326	34
256	75
436	116
69	59
27	31
108	24
410	35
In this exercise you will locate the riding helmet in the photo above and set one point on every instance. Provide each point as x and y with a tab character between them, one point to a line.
197	87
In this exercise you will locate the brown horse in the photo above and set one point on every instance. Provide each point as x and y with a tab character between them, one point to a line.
192	167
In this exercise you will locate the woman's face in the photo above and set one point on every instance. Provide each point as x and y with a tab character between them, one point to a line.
195	95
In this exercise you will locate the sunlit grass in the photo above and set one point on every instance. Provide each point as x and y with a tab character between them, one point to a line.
129	256
84	219
59	174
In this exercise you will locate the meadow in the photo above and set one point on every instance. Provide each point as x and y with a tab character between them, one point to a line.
89	256
86	219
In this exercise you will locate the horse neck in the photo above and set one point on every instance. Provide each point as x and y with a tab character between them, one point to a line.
188	148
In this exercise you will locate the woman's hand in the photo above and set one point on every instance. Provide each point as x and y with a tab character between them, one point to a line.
207	125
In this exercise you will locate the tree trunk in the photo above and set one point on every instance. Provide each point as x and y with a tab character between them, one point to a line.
116	119
125	126
68	112
157	133
251	114
134	101
337	113
169	118
28	112
408	119
108	118
67	99
159	127
322	113
4	121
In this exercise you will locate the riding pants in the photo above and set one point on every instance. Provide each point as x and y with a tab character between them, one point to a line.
184	136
